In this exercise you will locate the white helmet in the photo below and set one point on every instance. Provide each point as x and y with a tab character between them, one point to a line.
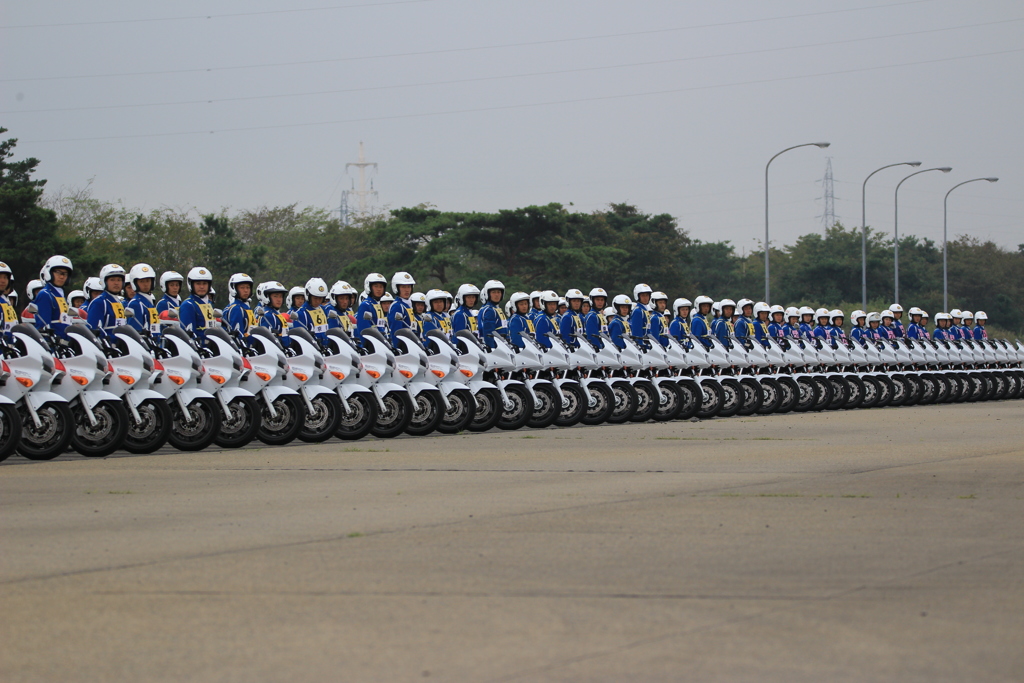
574	294
199	274
914	310
341	287
641	289
873	317
806	310
292	293
33	287
965	315
762	307
702	300
896	308
238	279
517	297
608	312
111	270
942	316
743	303
535	294
681	302
76	294
92	284
387	297
621	300
316	286
4	268
508	309
981	315
435	294
716	307
777	308
549	296
401	278
726	302
418	297
465	290
264	291
55	262
833	314
792	312
141	271
170	276
371	279
956	313
821	313
489	285
924	315
597	291
659	296
563	302
857	315
887	314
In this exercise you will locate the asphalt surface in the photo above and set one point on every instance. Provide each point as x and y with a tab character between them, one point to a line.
863	545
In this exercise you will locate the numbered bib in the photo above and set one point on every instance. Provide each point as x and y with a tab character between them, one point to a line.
118	310
285	319
207	310
319	321
10	316
382	320
251	317
65	317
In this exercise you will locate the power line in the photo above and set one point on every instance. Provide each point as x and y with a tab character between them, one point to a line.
468	49
216	16
508	76
531	105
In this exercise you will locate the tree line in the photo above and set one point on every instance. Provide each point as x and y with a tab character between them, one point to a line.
533	247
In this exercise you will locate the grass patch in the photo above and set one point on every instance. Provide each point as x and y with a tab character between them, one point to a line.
681	438
854	495
970	497
528	437
365	450
119	493
779	495
355	534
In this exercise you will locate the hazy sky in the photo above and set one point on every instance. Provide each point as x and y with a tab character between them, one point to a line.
481	105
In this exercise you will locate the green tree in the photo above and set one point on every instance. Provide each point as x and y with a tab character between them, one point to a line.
225	253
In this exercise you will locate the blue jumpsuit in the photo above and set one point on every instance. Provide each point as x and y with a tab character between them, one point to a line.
276	322
545	326
680	329
490	321
52	310
569	327
640	324
239	317
897	329
823	331
915	331
167	303
594	324
659	330
762	331
10	316
618	328
463	319
195	315
313	319
744	328
941	334
146	318
377	318
858	333
723	329
518	325
700	329
979	332
403	308
106	314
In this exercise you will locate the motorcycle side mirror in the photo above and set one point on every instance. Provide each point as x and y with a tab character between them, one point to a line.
218	313
129	313
399	316
367	316
333	315
293	317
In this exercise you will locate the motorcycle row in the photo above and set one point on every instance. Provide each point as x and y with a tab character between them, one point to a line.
97	394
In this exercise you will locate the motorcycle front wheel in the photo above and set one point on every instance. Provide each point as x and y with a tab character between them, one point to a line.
106	436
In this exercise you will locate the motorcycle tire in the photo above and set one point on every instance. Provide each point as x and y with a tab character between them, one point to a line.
771	395
854	392
944	389
241	429
546	406
886	390
692	396
712	399
871	392
670	401
732	397
623	402
575	407
52	438
427	413
647	401
106	436
839	392
460	412
1002	386
960	388
10	430
824	394
900	390
516	415
285	425
360	418
790	393
323	422
753	396
488	410
395	417
915	390
809	396
198	434
929	390
152	432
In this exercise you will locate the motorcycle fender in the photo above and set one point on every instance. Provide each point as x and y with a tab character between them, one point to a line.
502	383
417	388
275	392
190	395
137	396
4	399
93	398
382	389
478	385
308	391
531	383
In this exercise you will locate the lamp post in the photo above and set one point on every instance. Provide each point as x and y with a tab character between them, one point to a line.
945	213
896	227
767	286
864	229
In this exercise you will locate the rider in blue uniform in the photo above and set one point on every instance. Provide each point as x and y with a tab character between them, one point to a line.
546	325
942	322
145	316
897	325
700	326
744	324
791	330
619	324
491	319
342	297
437	317
171	283
271	297
916	329
570	327
464	317
836	318
8	312
401	312
640	318
761	323
822	330
519	324
238	316
51	306
858	331
806	322
967	326
980	318
106	312
660	318
722	327
196	312
371	313
679	328
311	315
595	323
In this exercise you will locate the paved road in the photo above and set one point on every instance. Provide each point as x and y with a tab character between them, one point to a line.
865	545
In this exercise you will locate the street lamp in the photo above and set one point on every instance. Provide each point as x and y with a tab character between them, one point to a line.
896	227
945	210
864	229
767	288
